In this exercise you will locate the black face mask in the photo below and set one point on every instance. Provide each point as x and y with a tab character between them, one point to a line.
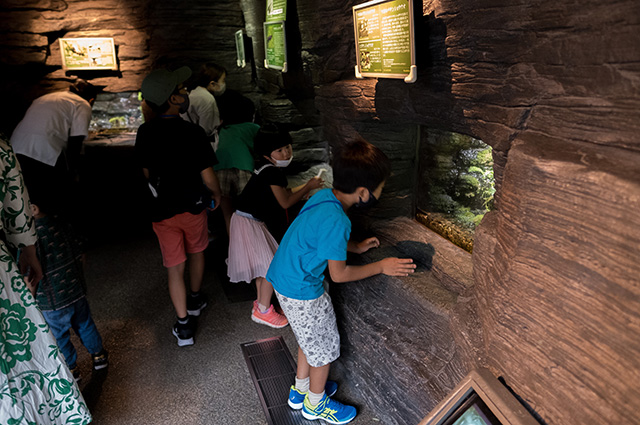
184	105
360	205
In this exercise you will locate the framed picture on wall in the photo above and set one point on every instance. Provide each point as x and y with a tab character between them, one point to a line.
88	54
385	45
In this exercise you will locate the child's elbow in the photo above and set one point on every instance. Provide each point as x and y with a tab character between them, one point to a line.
339	277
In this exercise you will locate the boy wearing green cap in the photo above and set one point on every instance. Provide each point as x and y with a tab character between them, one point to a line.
177	158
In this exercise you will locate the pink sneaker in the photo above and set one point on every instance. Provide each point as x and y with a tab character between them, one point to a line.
269	318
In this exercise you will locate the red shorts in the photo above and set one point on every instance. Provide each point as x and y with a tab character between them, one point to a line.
180	235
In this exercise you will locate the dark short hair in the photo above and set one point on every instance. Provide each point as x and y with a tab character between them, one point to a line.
270	138
360	164
42	198
209	72
84	89
237	109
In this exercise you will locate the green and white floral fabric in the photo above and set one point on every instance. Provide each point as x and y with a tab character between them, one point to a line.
36	387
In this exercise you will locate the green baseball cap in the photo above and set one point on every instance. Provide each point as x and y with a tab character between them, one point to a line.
159	85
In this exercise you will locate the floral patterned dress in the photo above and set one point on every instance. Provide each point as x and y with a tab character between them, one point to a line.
36	387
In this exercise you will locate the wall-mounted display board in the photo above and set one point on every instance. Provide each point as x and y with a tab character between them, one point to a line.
275	46
385	45
241	60
88	53
276	10
479	399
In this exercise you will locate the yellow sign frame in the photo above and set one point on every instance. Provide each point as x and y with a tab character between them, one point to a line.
89	53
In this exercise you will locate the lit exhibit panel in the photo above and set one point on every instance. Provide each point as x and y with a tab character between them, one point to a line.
479	399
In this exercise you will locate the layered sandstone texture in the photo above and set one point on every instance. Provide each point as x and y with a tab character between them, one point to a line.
554	88
551	302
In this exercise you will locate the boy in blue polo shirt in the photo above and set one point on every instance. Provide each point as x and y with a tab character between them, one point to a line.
319	237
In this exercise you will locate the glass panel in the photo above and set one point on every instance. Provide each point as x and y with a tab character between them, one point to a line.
455	184
472	411
116	113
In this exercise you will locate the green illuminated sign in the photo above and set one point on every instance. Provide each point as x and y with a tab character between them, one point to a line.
276	10
240	55
384	39
275	46
275	38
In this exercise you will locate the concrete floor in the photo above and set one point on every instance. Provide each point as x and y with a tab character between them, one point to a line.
150	379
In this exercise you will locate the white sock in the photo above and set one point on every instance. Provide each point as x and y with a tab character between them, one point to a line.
302	385
263	308
314	398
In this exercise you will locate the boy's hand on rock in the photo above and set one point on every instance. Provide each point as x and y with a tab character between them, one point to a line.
366	245
397	266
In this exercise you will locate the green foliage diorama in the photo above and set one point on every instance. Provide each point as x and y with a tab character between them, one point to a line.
457	176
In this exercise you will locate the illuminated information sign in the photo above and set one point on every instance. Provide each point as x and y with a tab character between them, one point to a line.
88	53
240	55
275	46
275	37
384	39
276	10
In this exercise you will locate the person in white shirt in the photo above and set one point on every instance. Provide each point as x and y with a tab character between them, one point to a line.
48	140
203	109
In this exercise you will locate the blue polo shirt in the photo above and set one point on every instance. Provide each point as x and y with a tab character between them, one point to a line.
319	233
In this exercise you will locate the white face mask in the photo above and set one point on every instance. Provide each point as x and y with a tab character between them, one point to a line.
282	162
220	89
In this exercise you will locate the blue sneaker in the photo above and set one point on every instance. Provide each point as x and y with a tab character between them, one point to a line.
296	398
328	410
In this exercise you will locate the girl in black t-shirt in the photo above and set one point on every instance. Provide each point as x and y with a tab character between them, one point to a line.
262	211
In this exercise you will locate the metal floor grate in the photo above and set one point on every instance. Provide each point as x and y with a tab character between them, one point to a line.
273	371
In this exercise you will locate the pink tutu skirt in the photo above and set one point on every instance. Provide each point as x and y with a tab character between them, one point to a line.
251	248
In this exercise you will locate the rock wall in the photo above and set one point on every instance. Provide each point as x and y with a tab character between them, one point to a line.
147	34
400	344
287	99
557	279
554	88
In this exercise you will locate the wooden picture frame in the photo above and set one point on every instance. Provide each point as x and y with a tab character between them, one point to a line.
90	53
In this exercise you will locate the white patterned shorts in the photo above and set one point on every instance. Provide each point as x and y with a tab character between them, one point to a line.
314	324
